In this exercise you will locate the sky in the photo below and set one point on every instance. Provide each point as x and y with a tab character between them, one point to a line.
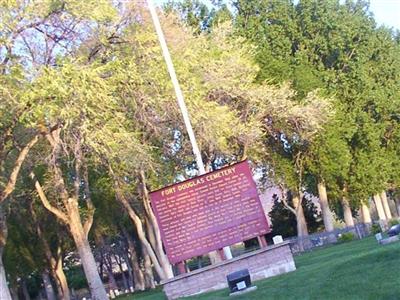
386	12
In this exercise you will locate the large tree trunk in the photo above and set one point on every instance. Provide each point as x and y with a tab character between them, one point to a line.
111	279
151	237
61	279
148	271
14	293
155	241
154	228
70	214
302	230
138	224
4	290
138	276
55	265
125	257
48	287
96	286
25	291
366	215
348	216
386	206
379	207
125	285
326	211
398	206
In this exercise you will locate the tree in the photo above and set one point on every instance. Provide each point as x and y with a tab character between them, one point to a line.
16	141
333	46
82	111
284	222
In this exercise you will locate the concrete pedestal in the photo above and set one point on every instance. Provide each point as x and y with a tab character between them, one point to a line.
263	263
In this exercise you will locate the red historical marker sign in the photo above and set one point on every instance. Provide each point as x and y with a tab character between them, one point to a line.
209	212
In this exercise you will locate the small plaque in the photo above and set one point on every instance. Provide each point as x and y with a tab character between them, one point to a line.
277	239
241	285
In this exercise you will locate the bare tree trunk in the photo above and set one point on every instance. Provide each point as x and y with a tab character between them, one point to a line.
70	215
326	211
56	268
124	280
148	272
153	227
379	207
125	257
386	206
48	286
96	286
25	291
151	237
137	222
61	278
57	281
138	276
110	274
302	230
14	293
366	215
398	206
12	180
348	217
4	290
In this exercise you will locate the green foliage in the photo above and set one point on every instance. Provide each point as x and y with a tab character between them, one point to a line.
393	222
336	47
198	15
346	237
376	228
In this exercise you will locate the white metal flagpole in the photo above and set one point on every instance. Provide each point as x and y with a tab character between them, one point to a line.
179	96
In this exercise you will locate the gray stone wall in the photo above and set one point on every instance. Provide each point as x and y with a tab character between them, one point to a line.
263	263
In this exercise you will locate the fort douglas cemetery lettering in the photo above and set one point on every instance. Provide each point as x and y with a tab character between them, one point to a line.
209	212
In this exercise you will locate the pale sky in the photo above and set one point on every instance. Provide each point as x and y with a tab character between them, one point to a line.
386	12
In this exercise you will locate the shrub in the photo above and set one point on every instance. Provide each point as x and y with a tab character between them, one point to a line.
393	222
375	228
346	237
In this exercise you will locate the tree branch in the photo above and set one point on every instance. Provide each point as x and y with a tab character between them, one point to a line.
10	186
42	196
89	204
284	201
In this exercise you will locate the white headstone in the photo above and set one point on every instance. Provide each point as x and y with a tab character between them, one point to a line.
378	236
277	239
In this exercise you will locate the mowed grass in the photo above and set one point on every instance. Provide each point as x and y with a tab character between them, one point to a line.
355	270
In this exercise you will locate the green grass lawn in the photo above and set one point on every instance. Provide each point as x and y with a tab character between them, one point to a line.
355	270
